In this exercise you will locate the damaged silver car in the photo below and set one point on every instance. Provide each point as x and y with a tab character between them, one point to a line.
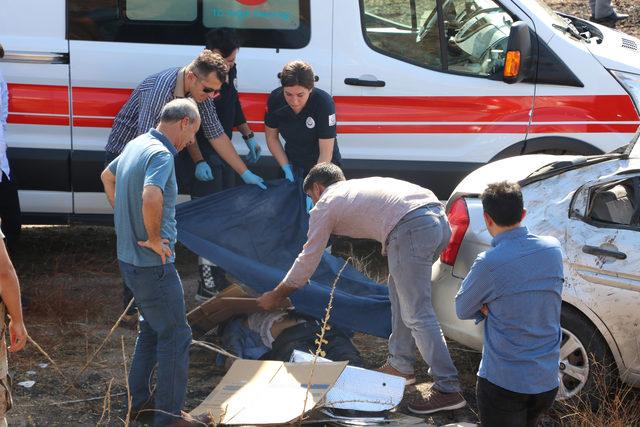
592	205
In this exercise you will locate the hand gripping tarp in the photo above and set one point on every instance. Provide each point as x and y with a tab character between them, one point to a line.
255	235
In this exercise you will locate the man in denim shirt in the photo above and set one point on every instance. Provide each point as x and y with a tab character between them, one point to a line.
140	185
516	288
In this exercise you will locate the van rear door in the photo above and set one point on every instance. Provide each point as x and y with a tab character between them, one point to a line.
418	88
38	135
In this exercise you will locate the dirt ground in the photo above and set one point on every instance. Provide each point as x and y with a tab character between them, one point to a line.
71	280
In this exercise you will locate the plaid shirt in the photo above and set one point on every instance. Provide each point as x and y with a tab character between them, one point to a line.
142	110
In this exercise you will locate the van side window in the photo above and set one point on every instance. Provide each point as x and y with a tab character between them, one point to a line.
469	38
280	24
391	28
161	10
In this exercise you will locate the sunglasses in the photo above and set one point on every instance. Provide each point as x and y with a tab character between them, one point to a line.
206	89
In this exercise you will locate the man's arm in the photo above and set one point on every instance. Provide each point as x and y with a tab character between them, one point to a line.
223	146
152	200
10	292
109	184
320	228
476	291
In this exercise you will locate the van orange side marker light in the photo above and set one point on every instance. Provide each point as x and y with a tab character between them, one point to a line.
512	64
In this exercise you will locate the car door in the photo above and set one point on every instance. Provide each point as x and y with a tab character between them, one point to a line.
603	253
38	134
418	88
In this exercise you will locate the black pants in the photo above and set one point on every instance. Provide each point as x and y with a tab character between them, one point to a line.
10	213
503	408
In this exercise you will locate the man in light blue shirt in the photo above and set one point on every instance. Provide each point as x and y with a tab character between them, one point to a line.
140	185
516	287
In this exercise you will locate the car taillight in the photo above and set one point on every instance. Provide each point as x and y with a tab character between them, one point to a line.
459	221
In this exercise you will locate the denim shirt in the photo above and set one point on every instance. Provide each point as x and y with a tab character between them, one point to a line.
520	279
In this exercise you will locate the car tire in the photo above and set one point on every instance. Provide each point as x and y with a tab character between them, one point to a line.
587	367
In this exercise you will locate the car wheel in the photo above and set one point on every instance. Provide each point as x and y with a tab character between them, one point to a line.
587	367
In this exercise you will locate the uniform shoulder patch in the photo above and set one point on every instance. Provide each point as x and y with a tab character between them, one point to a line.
332	119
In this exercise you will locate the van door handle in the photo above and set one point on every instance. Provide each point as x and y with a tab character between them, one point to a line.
594	250
353	81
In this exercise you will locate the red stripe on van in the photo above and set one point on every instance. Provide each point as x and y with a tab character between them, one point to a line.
435	128
433	108
597	108
40	99
582	128
29	119
99	102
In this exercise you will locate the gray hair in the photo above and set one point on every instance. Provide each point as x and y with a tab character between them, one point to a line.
178	109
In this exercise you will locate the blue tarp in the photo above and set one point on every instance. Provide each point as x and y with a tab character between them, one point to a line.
255	235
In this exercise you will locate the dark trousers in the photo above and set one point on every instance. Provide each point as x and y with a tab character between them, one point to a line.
503	408
10	212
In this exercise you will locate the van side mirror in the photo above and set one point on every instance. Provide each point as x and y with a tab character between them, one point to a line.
518	58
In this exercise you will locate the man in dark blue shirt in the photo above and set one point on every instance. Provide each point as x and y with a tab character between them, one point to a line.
516	288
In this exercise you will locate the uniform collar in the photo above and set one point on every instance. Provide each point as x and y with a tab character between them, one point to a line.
509	235
165	141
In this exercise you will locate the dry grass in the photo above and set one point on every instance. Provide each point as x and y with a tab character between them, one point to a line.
609	403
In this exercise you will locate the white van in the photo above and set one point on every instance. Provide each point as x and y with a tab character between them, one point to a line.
419	85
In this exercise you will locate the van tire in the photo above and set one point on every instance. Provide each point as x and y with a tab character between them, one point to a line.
590	356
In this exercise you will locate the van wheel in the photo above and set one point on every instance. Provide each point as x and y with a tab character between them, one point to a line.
587	368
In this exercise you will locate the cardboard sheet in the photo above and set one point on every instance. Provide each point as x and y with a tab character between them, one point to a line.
360	389
268	392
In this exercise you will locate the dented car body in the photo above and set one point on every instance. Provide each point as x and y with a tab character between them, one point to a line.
592	206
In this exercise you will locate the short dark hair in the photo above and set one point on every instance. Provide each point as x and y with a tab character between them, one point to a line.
297	73
324	174
223	39
208	62
502	201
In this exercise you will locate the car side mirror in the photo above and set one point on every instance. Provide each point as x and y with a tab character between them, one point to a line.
519	54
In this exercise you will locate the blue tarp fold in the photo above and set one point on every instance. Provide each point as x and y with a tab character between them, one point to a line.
255	235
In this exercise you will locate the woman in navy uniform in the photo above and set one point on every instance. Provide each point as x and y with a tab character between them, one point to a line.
305	117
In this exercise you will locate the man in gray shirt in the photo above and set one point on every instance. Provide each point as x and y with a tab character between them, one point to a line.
140	185
411	224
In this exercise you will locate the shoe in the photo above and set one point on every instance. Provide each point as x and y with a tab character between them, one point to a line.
438	401
187	420
390	370
611	20
206	284
130	321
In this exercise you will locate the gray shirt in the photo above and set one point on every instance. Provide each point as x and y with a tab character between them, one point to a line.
147	160
365	208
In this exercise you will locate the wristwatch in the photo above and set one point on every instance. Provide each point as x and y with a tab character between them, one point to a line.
247	137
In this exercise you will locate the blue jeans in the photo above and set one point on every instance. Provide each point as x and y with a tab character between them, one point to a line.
412	247
164	337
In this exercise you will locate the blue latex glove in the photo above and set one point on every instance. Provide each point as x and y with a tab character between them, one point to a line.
288	172
309	204
203	171
250	178
254	151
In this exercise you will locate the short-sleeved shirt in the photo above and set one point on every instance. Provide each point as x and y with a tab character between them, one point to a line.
301	132
147	160
142	111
